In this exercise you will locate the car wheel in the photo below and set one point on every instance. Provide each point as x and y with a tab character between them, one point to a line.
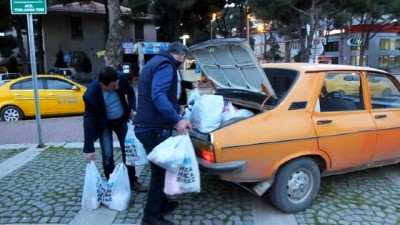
11	113
296	185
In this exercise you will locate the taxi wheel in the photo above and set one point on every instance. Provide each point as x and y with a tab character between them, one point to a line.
11	113
296	185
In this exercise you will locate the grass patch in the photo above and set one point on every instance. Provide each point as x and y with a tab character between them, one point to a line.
8	153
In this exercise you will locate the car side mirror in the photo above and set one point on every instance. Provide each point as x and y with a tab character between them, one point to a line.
75	88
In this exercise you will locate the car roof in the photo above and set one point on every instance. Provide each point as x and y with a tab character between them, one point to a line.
41	76
310	67
10	73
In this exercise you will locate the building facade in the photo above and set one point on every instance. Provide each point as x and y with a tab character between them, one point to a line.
382	50
78	30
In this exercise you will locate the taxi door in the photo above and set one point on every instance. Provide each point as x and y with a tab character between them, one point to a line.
67	99
385	110
345	130
24	97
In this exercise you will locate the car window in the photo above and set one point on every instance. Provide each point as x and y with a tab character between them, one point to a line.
281	80
383	91
341	92
26	85
13	75
56	84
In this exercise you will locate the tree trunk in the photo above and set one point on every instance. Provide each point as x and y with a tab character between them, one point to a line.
21	49
39	45
114	50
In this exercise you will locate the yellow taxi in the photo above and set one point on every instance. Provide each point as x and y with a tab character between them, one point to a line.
348	84
56	96
300	131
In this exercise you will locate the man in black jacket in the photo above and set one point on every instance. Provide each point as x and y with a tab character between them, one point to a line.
158	114
106	110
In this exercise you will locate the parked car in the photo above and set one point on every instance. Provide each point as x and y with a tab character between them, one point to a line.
60	71
5	77
349	84
300	131
57	95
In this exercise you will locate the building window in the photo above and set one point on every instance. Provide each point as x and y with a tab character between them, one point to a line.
139	32
388	60
397	44
295	45
332	46
384	44
383	60
355	48
76	27
355	60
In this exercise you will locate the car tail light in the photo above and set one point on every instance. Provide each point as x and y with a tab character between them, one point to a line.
204	150
208	156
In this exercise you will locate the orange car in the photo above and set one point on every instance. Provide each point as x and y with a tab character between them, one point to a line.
299	132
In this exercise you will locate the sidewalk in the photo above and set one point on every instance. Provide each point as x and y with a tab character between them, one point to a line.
67	132
262	213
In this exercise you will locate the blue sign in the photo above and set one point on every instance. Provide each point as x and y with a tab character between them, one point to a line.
67	58
144	47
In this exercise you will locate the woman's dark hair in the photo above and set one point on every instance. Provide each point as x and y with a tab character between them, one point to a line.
108	75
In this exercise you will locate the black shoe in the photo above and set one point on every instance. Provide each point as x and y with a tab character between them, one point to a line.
159	221
169	207
136	186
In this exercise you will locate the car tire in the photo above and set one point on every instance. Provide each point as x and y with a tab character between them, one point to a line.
296	185
11	113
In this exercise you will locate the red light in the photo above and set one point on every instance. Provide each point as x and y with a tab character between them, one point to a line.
208	156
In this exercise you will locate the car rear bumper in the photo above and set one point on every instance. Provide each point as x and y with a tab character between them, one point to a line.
218	168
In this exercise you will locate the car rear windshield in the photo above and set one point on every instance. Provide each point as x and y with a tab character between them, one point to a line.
281	80
13	75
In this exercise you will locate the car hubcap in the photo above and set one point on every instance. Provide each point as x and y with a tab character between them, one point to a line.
11	115
299	185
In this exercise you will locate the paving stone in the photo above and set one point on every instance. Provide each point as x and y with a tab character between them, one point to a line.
48	190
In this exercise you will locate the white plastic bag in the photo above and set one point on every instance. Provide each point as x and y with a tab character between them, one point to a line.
187	114
207	113
235	113
135	154
193	97
92	188
117	191
169	154
187	178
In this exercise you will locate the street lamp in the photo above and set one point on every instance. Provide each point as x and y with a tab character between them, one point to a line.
248	18
211	24
184	37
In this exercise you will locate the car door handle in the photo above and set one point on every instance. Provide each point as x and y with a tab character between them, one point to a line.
52	94
323	121
17	94
380	116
